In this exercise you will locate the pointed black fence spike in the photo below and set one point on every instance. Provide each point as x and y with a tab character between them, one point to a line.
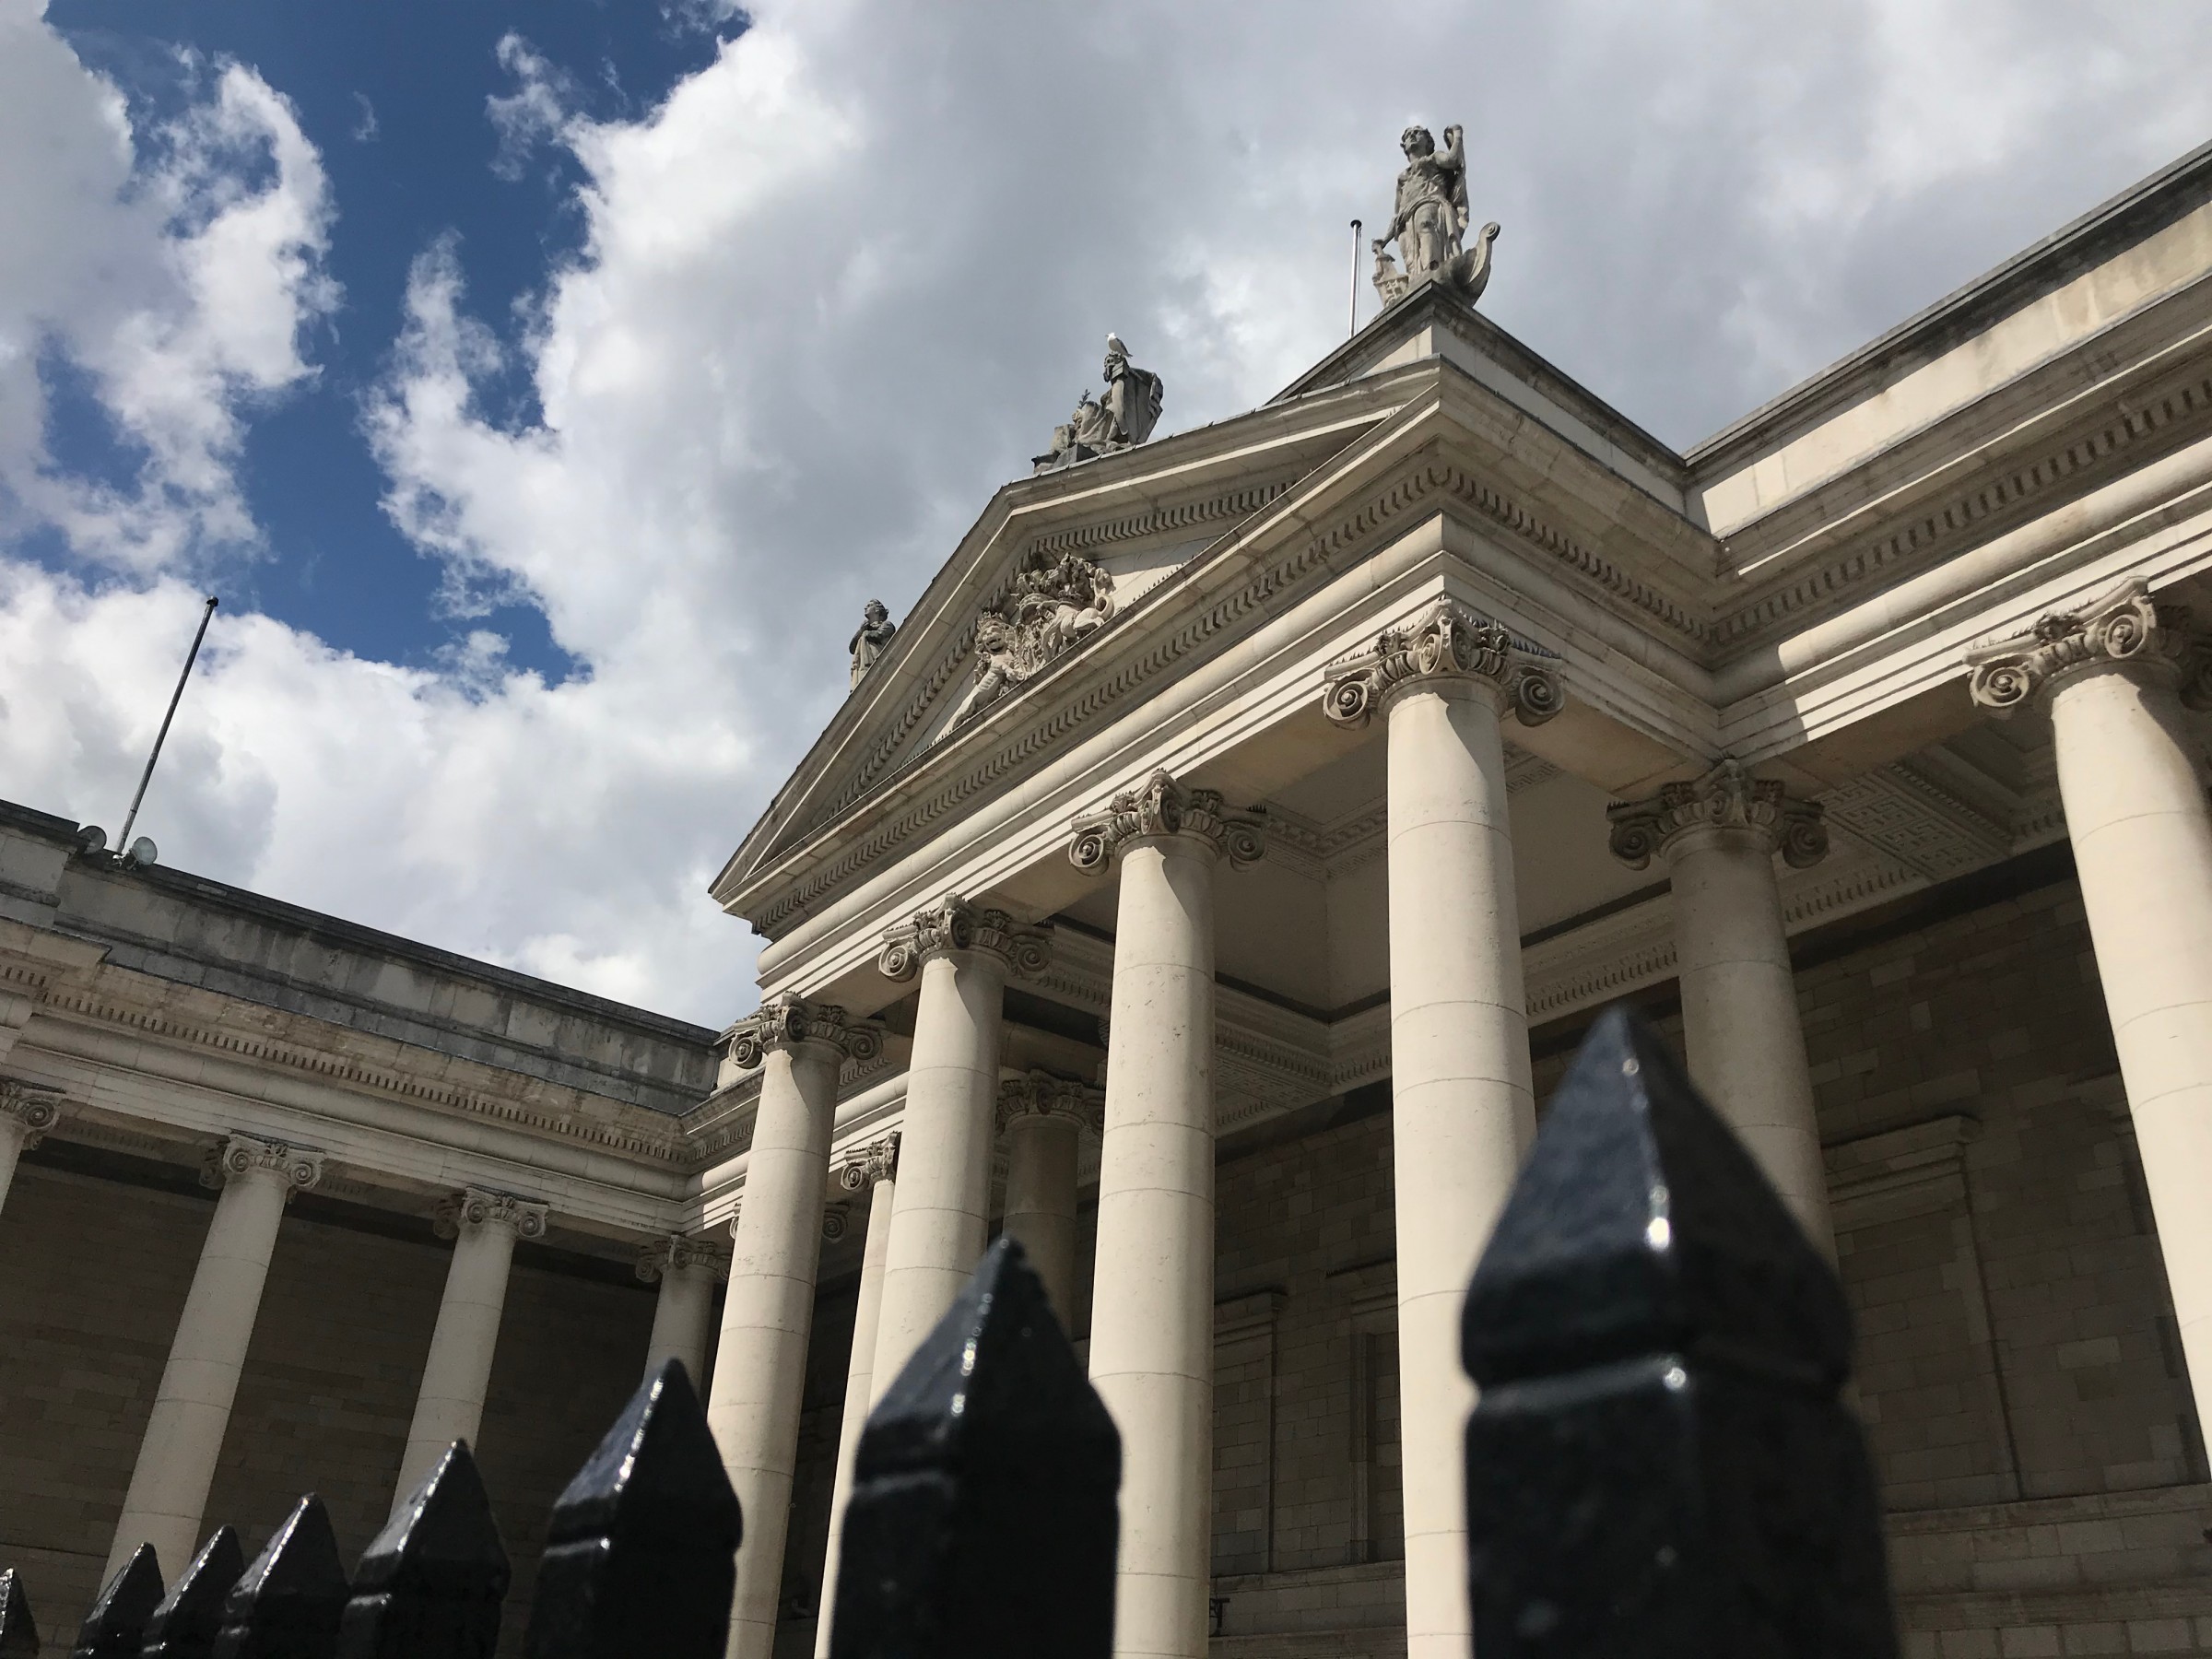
19	1629
641	1552
984	1514
188	1620
288	1603
115	1628
431	1585
1658	1465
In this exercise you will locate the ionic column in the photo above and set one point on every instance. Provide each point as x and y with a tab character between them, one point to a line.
866	1176
1042	1118
1740	1029
449	1405
192	1406
963	954
1463	1106
686	1268
27	1111
760	1362
2115	677
1152	1301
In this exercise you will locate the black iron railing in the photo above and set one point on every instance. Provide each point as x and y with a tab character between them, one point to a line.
1660	1465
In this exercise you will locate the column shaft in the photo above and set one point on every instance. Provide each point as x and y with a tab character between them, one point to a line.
192	1406
1151	1327
1740	1027
14	1133
2143	848
760	1363
859	1390
456	1373
943	1215
1463	1104
1041	1201
680	1319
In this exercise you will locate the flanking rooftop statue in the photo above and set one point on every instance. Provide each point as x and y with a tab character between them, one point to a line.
1053	605
873	639
1120	418
1430	222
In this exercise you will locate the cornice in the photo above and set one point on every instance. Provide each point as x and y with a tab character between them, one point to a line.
332	1055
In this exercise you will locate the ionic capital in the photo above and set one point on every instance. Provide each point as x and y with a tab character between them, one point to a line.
1727	797
1042	1095
676	1251
2127	627
783	1022
473	1208
952	923
859	1169
1446	642
32	1108
1157	808
299	1167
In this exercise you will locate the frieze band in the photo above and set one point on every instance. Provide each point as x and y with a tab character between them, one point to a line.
2125	625
1161	806
786	1021
474	1207
1447	641
953	924
1727	797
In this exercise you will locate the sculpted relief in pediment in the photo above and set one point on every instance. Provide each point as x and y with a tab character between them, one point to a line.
1053	605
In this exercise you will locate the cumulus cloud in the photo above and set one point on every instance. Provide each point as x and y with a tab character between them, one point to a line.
175	270
840	285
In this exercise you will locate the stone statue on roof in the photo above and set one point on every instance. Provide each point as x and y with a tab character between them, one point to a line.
873	639
1122	417
1428	222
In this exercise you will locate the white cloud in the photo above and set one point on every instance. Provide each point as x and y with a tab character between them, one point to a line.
841	285
177	281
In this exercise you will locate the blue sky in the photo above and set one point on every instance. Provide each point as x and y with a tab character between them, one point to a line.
546	437
393	95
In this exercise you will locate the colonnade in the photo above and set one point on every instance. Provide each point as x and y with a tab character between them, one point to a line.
166	1502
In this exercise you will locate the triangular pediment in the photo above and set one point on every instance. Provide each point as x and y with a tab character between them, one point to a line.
1127	522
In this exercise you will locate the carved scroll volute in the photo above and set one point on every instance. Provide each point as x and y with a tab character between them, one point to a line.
786	1021
1727	797
953	924
1445	641
2125	627
1162	807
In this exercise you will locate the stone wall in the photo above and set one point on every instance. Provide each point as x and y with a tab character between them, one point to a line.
98	1271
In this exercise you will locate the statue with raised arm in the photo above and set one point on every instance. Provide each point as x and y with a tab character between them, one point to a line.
1120	418
1428	222
873	639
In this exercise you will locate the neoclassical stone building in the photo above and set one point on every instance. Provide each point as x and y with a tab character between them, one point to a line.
1203	883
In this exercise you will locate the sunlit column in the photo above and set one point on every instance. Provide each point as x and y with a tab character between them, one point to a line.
1152	1297
963	954
760	1362
1463	1106
192	1406
1740	1028
2115	677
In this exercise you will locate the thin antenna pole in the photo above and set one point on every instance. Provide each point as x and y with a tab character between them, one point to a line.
1355	276
123	841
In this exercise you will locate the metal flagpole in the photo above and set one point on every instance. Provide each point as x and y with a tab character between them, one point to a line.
1355	276
123	841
